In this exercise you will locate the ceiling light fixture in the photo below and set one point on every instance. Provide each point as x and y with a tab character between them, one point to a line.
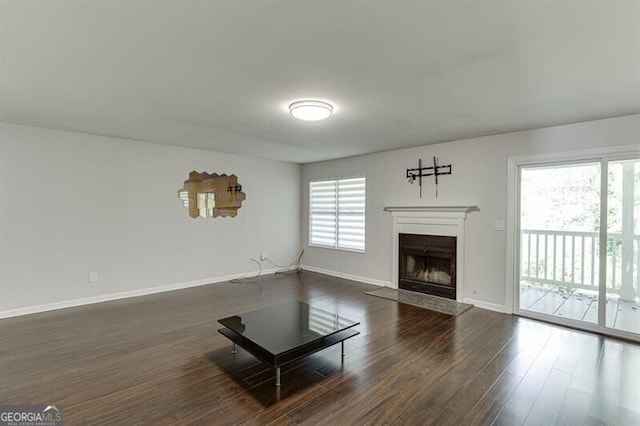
311	110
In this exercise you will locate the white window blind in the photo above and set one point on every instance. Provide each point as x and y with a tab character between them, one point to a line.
337	213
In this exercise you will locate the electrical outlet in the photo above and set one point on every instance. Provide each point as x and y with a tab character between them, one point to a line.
93	277
262	257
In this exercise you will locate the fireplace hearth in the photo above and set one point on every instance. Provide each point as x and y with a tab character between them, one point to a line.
427	264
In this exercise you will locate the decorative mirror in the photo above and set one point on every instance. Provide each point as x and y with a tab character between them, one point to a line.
211	195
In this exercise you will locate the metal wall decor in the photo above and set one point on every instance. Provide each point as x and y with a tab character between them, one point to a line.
420	172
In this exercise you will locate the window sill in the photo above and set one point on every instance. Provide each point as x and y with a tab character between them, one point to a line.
337	249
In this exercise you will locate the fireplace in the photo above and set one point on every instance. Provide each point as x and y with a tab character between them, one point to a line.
427	264
434	221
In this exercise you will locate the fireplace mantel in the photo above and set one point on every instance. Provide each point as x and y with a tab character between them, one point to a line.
432	220
433	209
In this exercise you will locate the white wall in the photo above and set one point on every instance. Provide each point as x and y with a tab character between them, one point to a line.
479	178
72	203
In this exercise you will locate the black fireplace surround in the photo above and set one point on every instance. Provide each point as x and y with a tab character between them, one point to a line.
428	264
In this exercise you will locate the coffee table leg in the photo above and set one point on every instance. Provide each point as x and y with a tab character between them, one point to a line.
278	376
342	343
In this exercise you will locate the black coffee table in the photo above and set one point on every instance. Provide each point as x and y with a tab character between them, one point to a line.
283	333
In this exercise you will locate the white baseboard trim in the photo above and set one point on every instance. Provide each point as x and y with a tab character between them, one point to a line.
178	286
126	294
347	276
486	305
479	303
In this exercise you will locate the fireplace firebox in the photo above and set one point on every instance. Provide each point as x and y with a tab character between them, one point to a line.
428	264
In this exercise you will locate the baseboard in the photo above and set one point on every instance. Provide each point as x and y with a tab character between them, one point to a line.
124	295
179	286
347	276
479	303
486	305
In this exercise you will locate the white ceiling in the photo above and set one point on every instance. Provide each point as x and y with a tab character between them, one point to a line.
219	75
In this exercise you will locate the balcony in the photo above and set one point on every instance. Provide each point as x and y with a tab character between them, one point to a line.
559	274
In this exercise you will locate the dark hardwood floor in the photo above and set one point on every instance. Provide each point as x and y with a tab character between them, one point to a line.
159	360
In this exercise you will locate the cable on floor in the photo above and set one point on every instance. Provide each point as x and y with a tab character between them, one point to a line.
286	270
250	278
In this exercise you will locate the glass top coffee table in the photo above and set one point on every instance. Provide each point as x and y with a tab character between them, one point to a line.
283	333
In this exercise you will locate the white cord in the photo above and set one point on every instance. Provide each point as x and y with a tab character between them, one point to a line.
284	269
240	280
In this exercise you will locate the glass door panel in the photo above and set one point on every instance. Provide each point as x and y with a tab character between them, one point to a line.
623	257
559	240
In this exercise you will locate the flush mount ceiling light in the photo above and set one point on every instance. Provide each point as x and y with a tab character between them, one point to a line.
310	110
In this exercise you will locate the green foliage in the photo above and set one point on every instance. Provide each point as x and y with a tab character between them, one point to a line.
568	197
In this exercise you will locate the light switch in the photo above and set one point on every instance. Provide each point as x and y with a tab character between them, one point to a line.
498	225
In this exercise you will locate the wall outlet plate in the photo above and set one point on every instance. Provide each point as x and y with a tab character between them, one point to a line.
93	277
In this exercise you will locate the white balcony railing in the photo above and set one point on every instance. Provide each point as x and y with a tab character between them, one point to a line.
571	259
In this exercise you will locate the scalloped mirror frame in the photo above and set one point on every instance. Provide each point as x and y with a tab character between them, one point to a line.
211	195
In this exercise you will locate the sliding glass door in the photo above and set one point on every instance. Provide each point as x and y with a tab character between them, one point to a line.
571	268
622	254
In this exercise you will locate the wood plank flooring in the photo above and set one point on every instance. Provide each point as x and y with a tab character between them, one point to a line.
159	360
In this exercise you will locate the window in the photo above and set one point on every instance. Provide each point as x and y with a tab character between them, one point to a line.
336	213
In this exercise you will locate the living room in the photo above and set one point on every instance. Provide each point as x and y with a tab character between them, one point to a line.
107	109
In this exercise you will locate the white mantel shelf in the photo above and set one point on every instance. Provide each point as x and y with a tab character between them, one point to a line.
433	209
